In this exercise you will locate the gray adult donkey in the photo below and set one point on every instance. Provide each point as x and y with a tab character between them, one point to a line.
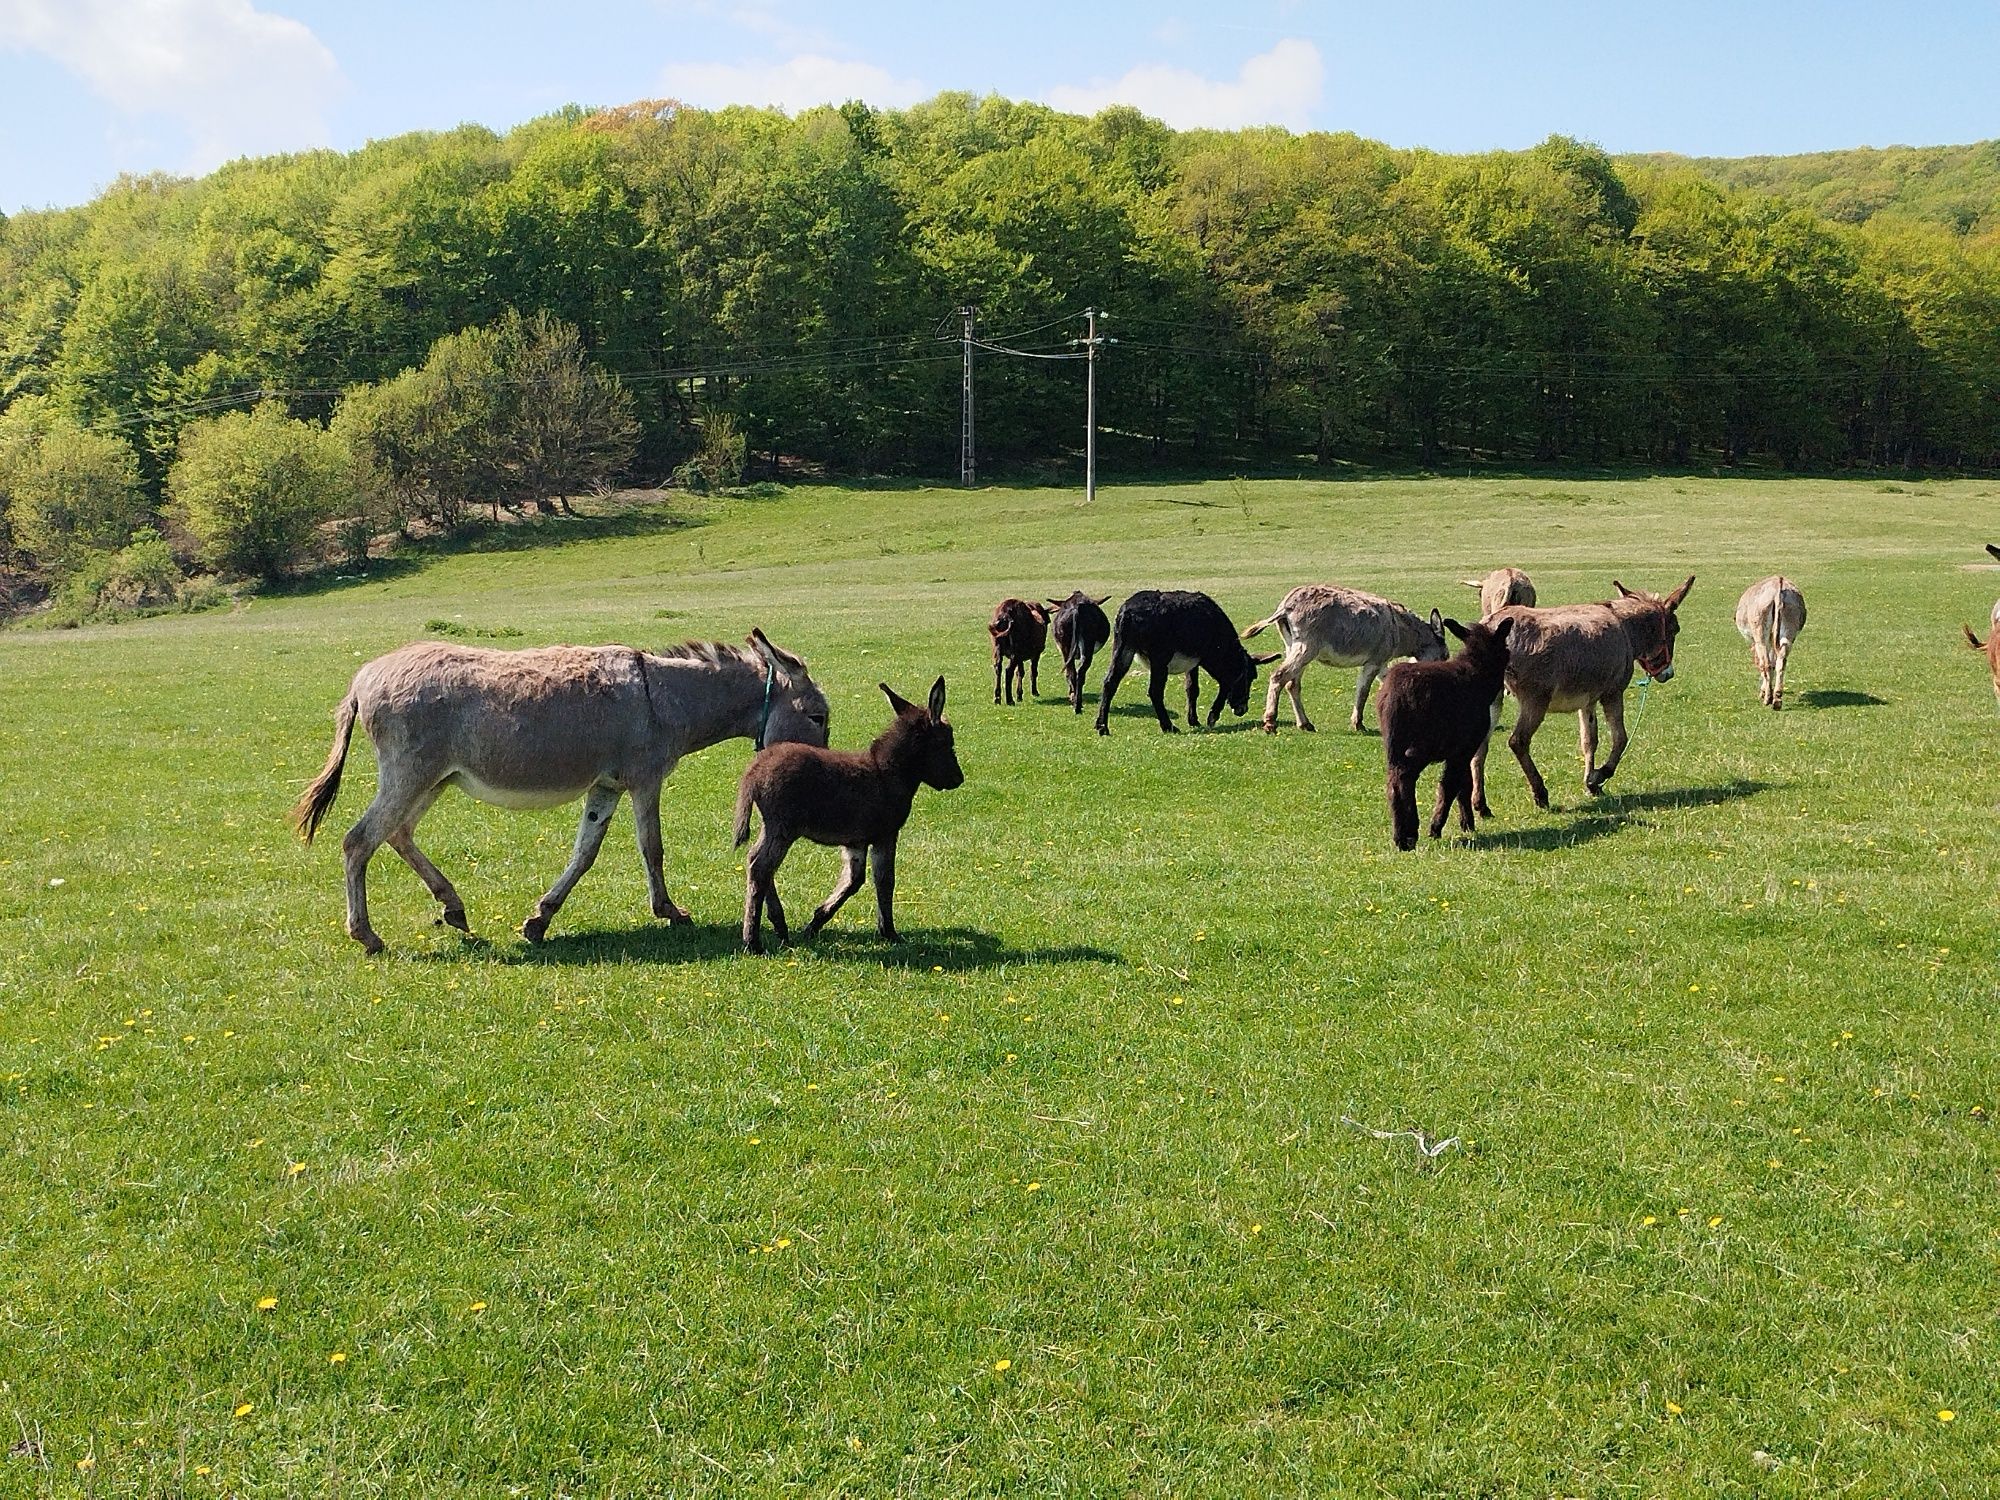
1577	656
1345	628
534	729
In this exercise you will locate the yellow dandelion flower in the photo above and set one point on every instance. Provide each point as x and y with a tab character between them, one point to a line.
338	1357
1002	1366
203	1470
245	1409
295	1168
1033	1187
784	1244
476	1307
1715	1221
1947	1415
265	1304
1256	1228
1673	1409
85	1464
1648	1222
252	1145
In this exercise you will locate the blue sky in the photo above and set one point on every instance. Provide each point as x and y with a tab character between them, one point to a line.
90	88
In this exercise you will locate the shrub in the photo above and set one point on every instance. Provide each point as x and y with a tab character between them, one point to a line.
718	463
252	487
70	493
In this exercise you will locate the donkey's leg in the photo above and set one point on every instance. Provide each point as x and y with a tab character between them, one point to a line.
1614	719
1194	696
1479	762
598	805
760	881
404	842
1157	690
853	873
1121	663
1362	683
1586	738
1035	674
882	862
646	814
1526	722
1464	799
1447	794
1401	787
1778	672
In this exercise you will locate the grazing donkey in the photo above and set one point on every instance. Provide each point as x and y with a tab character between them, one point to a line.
1344	628
1770	616
1578	656
1020	632
1432	711
1178	631
1080	630
1500	588
531	729
857	803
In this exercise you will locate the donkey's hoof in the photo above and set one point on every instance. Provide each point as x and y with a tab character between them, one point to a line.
456	919
370	943
1482	809
1270	726
673	915
535	929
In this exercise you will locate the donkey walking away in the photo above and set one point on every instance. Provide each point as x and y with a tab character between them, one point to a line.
1770	616
1578	656
534	729
1345	628
1500	588
1020	631
1080	629
857	803
1440	711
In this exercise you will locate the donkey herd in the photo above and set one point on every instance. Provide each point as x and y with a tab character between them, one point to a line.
537	728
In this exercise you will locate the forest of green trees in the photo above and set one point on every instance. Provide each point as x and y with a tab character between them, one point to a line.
259	369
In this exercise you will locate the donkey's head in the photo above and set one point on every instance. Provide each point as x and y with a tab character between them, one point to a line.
1430	644
924	739
1485	643
1652	629
1235	689
793	706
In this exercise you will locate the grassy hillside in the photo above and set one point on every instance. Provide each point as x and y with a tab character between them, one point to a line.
1061	1195
1957	186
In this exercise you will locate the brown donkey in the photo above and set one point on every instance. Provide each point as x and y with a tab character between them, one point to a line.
857	803
1576	656
1991	645
1020	631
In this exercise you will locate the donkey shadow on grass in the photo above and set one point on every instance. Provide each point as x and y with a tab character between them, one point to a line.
1608	815
1839	698
951	949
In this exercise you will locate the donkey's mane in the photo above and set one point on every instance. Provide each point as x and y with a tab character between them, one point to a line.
711	653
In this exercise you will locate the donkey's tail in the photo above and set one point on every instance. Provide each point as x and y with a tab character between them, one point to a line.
745	795
1473	583
1262	625
1778	614
312	807
1972	640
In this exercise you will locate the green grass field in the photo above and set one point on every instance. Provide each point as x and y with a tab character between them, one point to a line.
1057	1197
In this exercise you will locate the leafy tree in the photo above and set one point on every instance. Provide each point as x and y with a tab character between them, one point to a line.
253	487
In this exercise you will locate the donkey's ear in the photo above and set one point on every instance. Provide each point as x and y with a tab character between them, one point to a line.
1103	599
777	660
897	701
1503	628
1039	613
1994	550
1674	599
1452	625
936	704
1623	592
1437	624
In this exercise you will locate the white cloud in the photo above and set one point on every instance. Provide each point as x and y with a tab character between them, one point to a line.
796	83
1279	87
239	80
